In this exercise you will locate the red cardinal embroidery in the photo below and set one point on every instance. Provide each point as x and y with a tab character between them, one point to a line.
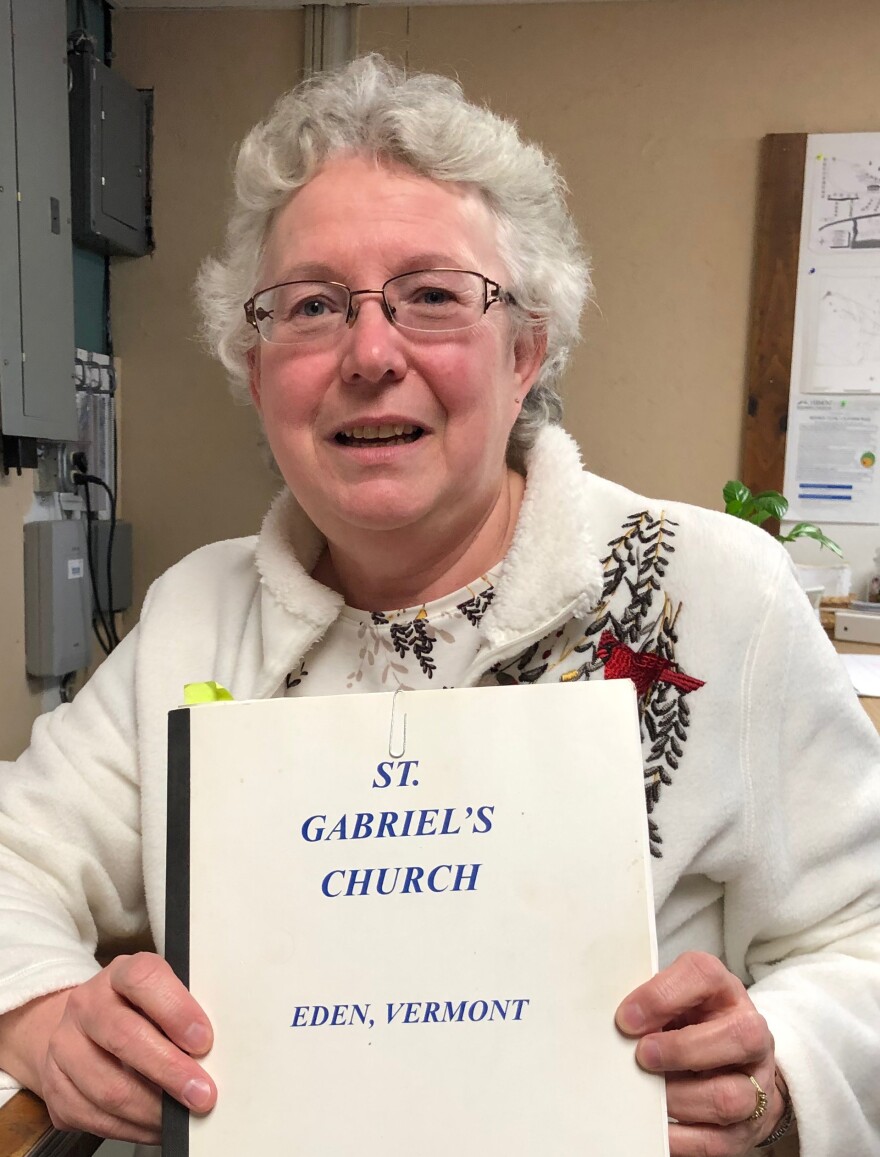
643	667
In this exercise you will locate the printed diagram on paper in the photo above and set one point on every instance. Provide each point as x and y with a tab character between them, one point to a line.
837	312
832	453
847	357
846	203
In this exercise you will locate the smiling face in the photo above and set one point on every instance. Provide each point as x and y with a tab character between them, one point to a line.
437	408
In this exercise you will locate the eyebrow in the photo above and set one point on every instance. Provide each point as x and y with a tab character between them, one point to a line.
432	260
317	271
308	271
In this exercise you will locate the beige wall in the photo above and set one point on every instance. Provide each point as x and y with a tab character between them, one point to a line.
19	696
655	111
191	466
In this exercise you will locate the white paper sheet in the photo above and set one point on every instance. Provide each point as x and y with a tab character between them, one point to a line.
864	672
845	337
837	312
832	460
832	444
844	188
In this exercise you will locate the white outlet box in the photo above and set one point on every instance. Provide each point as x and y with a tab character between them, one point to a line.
857	627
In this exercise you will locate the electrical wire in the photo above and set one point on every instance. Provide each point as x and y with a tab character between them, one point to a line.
65	689
111	494
111	615
97	612
80	40
110	640
108	33
108	332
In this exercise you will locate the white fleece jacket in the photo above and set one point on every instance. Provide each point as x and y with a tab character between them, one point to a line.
762	770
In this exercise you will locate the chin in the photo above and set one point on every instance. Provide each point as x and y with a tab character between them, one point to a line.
381	507
380	517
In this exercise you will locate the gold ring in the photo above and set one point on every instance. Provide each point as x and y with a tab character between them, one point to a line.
760	1101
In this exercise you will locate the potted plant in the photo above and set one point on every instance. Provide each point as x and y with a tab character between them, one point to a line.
757	508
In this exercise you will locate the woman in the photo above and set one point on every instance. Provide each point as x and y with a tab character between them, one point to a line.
412	285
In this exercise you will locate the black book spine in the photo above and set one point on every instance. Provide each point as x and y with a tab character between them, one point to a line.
175	1117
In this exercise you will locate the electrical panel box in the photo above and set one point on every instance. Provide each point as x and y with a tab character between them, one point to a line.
108	151
36	257
57	598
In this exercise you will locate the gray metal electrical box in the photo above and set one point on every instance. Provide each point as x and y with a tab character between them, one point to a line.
108	156
57	598
36	257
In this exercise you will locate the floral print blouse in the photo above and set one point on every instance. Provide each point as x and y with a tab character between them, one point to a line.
417	648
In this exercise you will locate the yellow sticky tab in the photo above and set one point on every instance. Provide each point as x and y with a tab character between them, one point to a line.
204	693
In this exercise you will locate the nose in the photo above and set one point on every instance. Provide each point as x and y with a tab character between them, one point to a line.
354	307
373	349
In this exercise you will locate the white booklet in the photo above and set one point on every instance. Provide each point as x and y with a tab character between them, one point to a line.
410	919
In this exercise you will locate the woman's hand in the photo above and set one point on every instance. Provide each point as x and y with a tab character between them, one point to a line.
100	1054
698	1025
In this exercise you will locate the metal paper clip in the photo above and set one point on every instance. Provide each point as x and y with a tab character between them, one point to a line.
396	754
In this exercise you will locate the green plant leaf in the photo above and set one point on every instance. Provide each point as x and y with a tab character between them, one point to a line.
736	495
757	508
773	502
757	515
810	530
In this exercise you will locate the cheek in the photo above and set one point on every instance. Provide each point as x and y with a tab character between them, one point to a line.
291	389
472	378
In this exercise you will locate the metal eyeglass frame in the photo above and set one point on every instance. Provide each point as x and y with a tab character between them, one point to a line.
497	295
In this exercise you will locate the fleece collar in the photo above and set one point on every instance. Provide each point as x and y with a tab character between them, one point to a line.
551	570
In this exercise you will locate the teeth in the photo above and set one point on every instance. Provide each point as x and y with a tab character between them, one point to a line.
372	432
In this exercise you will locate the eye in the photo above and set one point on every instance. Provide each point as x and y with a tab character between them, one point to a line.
311	307
433	295
306	304
429	295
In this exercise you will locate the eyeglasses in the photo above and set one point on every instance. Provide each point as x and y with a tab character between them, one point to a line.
427	300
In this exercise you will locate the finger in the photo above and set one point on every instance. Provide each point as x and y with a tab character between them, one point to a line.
694	979
739	1040
69	1109
124	1033
716	1099
711	1140
108	1084
149	983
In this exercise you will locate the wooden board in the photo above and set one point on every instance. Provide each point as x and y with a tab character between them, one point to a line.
771	328
27	1131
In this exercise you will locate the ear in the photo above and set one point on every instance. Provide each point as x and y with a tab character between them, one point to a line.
253	361
529	351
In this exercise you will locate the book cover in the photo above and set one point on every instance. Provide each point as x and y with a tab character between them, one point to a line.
410	919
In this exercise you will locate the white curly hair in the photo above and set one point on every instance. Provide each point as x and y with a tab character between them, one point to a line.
423	121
